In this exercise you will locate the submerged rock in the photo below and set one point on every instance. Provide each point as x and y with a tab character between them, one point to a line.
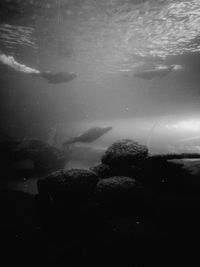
189	173
165	174
30	156
121	194
45	157
116	188
61	197
125	153
105	171
160	174
74	183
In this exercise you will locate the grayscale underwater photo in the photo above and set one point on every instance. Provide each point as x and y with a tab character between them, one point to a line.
100	133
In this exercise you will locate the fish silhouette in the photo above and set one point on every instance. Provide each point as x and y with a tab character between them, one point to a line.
88	136
60	77
54	78
156	72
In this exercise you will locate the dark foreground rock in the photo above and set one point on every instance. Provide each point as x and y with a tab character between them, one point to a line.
119	195
160	174
61	197
117	189
189	175
20	230
125	153
171	175
75	183
121	222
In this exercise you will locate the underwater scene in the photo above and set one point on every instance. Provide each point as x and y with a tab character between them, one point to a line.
100	132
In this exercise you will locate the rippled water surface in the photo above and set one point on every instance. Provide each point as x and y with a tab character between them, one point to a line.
108	36
104	43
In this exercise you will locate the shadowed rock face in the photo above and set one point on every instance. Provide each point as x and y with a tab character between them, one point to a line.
62	195
116	188
125	153
105	171
120	195
173	175
75	183
19	229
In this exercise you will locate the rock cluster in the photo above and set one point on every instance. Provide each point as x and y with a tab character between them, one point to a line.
118	206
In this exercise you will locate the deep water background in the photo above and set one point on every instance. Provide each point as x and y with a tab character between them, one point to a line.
104	43
96	41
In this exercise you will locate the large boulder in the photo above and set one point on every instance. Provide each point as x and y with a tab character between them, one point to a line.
74	183
125	153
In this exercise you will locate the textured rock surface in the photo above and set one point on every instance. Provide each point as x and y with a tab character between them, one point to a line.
121	194
125	153
74	182
117	186
105	171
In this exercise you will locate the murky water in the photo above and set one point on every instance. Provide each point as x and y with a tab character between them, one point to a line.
135	67
71	68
